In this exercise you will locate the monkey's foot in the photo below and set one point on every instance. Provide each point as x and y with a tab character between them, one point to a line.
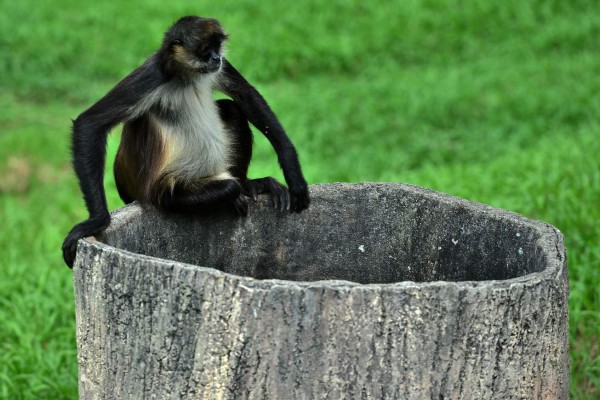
280	196
240	206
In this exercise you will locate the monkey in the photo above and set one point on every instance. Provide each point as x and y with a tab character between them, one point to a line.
181	150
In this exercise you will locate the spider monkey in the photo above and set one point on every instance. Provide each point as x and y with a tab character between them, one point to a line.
181	150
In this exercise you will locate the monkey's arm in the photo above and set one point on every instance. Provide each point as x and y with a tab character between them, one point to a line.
90	131
262	117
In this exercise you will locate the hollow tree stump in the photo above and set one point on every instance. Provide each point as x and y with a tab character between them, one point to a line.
377	291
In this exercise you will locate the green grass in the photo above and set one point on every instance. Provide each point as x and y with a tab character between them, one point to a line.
497	102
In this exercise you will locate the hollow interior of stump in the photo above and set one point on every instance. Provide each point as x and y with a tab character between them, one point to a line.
376	239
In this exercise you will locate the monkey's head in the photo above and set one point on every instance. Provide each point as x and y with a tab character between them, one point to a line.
193	45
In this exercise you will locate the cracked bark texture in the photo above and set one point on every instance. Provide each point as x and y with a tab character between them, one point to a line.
377	291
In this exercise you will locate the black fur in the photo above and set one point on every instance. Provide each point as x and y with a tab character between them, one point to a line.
236	122
209	197
203	37
258	112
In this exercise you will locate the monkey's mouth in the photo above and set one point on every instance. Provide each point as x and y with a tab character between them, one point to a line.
207	68
213	68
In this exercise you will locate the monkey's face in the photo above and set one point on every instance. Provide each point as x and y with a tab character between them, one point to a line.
196	44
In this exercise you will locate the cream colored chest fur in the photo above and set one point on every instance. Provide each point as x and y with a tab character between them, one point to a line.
197	145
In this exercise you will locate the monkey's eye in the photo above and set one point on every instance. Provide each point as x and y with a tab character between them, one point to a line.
176	42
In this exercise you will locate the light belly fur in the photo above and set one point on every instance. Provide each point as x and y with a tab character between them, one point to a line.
197	145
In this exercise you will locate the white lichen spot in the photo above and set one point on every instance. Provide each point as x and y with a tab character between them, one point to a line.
439	248
254	313
454	242
518	234
361	248
520	250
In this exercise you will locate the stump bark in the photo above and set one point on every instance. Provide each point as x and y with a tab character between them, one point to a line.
377	291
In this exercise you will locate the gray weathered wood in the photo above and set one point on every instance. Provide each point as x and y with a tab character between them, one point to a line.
378	291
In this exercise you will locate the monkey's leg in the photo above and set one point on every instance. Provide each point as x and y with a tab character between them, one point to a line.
119	172
237	125
123	193
212	195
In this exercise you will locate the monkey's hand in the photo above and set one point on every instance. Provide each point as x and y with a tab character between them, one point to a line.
299	197
84	229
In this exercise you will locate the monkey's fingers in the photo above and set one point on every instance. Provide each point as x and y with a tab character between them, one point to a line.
254	193
283	200
279	196
68	249
300	199
286	194
84	229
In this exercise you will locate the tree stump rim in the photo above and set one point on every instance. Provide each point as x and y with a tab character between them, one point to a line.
555	263
549	238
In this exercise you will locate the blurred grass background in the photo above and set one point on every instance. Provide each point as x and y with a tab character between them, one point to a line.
497	102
